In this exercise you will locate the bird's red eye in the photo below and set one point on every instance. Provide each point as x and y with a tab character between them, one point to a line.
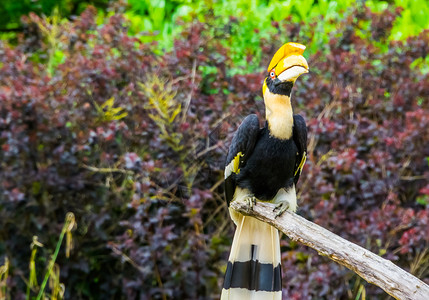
272	74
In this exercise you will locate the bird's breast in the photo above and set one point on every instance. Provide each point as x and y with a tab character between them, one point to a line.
270	167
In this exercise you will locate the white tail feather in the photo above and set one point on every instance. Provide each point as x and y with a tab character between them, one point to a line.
251	231
257	241
245	294
254	265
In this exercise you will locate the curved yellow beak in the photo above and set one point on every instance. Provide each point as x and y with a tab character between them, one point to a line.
288	62
291	67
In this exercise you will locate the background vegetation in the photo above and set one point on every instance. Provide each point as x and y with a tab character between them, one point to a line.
122	114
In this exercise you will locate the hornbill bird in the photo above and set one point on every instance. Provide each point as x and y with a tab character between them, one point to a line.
264	164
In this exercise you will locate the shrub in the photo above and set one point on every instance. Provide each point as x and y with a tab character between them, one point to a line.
11	11
134	143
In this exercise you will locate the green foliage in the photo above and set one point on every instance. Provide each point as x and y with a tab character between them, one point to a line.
53	270
423	200
32	280
155	20
12	10
4	272
413	17
50	28
250	23
108	113
164	109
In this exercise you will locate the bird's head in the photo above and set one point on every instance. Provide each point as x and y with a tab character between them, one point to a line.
285	67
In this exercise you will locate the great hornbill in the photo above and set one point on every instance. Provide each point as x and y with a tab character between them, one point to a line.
264	164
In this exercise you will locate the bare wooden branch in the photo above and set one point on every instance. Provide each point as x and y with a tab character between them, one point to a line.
371	267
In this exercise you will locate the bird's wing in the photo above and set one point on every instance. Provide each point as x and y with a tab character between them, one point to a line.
241	147
300	139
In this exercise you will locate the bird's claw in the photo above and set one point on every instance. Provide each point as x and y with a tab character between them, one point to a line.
281	208
250	201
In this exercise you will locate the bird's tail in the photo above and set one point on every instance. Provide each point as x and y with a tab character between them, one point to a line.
253	271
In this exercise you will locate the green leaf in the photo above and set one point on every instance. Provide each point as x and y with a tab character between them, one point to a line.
121	116
423	200
108	104
175	113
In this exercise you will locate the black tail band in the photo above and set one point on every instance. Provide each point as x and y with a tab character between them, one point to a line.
253	275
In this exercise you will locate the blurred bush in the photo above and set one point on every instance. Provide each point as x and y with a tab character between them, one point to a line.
11	10
133	143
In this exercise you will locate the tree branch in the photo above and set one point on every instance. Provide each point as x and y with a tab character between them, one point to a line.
371	267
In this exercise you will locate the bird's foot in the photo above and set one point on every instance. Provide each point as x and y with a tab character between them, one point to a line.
281	208
250	201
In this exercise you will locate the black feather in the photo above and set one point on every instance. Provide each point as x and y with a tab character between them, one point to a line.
243	141
270	167
276	86
269	163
